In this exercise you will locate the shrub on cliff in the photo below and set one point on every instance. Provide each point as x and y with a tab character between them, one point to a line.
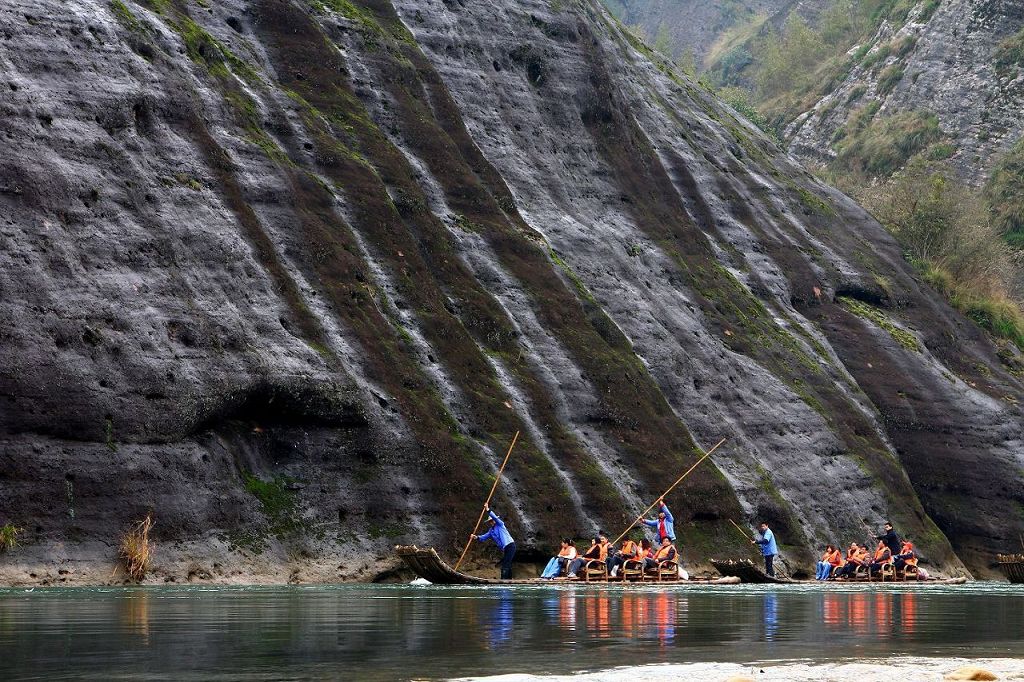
947	234
9	537
1005	195
884	145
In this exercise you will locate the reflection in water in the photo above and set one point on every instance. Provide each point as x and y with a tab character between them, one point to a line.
665	617
135	615
498	625
908	612
396	632
771	616
881	613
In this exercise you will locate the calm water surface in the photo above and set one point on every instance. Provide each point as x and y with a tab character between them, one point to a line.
401	632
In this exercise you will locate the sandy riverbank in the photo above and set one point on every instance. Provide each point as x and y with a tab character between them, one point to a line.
904	669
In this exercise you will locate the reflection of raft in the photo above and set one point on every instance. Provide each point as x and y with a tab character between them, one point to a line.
426	563
748	572
745	570
1012	566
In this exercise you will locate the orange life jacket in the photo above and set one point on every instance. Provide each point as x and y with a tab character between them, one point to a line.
629	550
664	552
568	552
835	558
908	548
603	556
882	554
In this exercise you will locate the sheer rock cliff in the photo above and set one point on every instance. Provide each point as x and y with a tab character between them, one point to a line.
289	275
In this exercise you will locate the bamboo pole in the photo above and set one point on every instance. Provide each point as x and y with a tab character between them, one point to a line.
489	496
670	488
741	530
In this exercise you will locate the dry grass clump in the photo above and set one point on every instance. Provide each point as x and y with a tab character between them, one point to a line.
135	549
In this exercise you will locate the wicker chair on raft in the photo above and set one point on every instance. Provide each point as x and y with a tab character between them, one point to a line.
888	572
595	570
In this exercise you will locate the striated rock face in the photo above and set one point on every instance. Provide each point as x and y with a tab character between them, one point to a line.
962	62
290	276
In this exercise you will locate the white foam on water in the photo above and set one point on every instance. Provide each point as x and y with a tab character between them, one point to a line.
908	669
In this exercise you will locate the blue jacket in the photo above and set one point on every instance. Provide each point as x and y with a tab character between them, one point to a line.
498	532
670	529
767	542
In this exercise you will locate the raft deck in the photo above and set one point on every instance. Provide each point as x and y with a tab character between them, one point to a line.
1012	566
426	563
748	572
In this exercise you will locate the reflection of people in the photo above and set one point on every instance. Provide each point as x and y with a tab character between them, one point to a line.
771	616
664	524
502	538
498	627
768	548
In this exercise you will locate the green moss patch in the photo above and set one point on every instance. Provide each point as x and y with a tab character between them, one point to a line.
882	321
278	503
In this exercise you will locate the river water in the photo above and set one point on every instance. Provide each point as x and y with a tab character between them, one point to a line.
379	632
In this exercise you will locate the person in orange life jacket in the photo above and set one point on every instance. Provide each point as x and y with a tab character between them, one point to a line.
664	525
629	550
557	564
598	551
824	567
906	557
855	557
883	556
667	552
502	538
835	562
768	548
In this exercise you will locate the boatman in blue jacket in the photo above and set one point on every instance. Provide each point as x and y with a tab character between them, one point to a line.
664	524
768	548
502	538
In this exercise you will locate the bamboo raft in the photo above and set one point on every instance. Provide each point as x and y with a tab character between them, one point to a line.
748	572
1012	566
427	564
745	570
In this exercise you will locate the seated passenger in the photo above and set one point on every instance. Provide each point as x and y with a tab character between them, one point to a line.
823	569
854	559
882	557
835	563
557	564
667	552
906	557
629	550
598	551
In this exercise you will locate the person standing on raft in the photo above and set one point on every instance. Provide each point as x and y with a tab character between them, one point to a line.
664	524
502	538
768	548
